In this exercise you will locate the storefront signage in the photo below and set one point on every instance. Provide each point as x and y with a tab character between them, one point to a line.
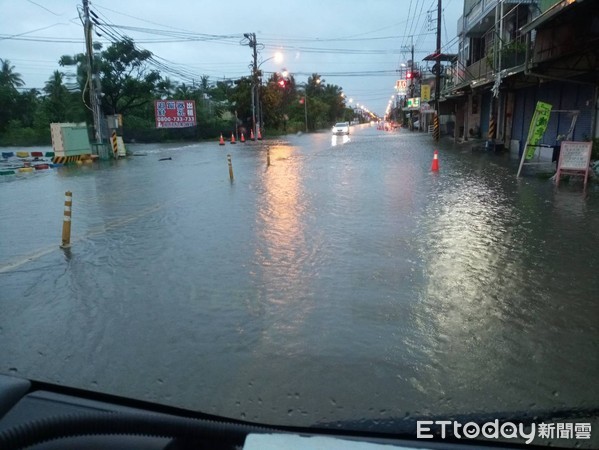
574	159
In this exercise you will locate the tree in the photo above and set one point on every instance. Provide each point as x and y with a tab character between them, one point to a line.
276	99
125	78
127	82
332	97
9	82
204	84
183	92
241	100
314	86
8	76
57	101
165	88
28	103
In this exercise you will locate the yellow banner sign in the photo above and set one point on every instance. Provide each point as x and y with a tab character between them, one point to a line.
425	93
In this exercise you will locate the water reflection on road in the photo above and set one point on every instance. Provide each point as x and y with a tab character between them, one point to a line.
339	140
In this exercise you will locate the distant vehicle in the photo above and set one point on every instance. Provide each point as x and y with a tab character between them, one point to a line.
341	128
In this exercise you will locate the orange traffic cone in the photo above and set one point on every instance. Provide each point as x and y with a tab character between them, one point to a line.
233	139
435	165
242	138
259	135
222	141
252	135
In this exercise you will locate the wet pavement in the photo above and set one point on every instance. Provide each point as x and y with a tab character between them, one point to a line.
344	282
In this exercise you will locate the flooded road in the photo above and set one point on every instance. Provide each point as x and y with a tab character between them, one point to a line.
345	282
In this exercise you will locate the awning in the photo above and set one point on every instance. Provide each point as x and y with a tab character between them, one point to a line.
447	57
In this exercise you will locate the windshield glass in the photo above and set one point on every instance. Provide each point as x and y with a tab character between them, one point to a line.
179	224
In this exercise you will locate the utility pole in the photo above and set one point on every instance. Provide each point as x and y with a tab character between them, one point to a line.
251	37
412	69
437	131
91	78
306	108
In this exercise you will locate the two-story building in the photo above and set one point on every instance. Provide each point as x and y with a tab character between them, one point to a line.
513	53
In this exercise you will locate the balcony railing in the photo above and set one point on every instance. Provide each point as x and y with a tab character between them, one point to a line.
483	8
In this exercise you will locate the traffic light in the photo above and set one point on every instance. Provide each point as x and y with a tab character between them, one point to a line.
282	82
409	75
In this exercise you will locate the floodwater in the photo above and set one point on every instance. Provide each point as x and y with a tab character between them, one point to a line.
346	282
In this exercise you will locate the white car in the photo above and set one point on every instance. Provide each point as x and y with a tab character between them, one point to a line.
341	128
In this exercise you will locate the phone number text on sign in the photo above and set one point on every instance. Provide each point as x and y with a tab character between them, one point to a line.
176	119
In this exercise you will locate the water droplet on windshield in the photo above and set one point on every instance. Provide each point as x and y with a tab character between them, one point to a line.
13	369
556	393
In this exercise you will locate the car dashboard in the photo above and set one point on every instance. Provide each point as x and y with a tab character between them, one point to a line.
43	416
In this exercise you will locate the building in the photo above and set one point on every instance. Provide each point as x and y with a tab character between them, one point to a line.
513	53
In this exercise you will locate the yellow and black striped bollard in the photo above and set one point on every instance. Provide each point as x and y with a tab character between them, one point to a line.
115	144
66	224
492	128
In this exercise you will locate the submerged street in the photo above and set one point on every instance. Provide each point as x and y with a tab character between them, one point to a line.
344	274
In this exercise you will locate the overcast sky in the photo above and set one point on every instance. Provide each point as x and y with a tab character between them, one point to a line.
357	45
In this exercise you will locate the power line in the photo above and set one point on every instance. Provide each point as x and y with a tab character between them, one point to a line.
43	7
16	36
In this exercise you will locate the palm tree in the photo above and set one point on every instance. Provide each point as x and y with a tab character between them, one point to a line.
165	88
55	85
204	84
8	76
57	99
9	82
183	92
